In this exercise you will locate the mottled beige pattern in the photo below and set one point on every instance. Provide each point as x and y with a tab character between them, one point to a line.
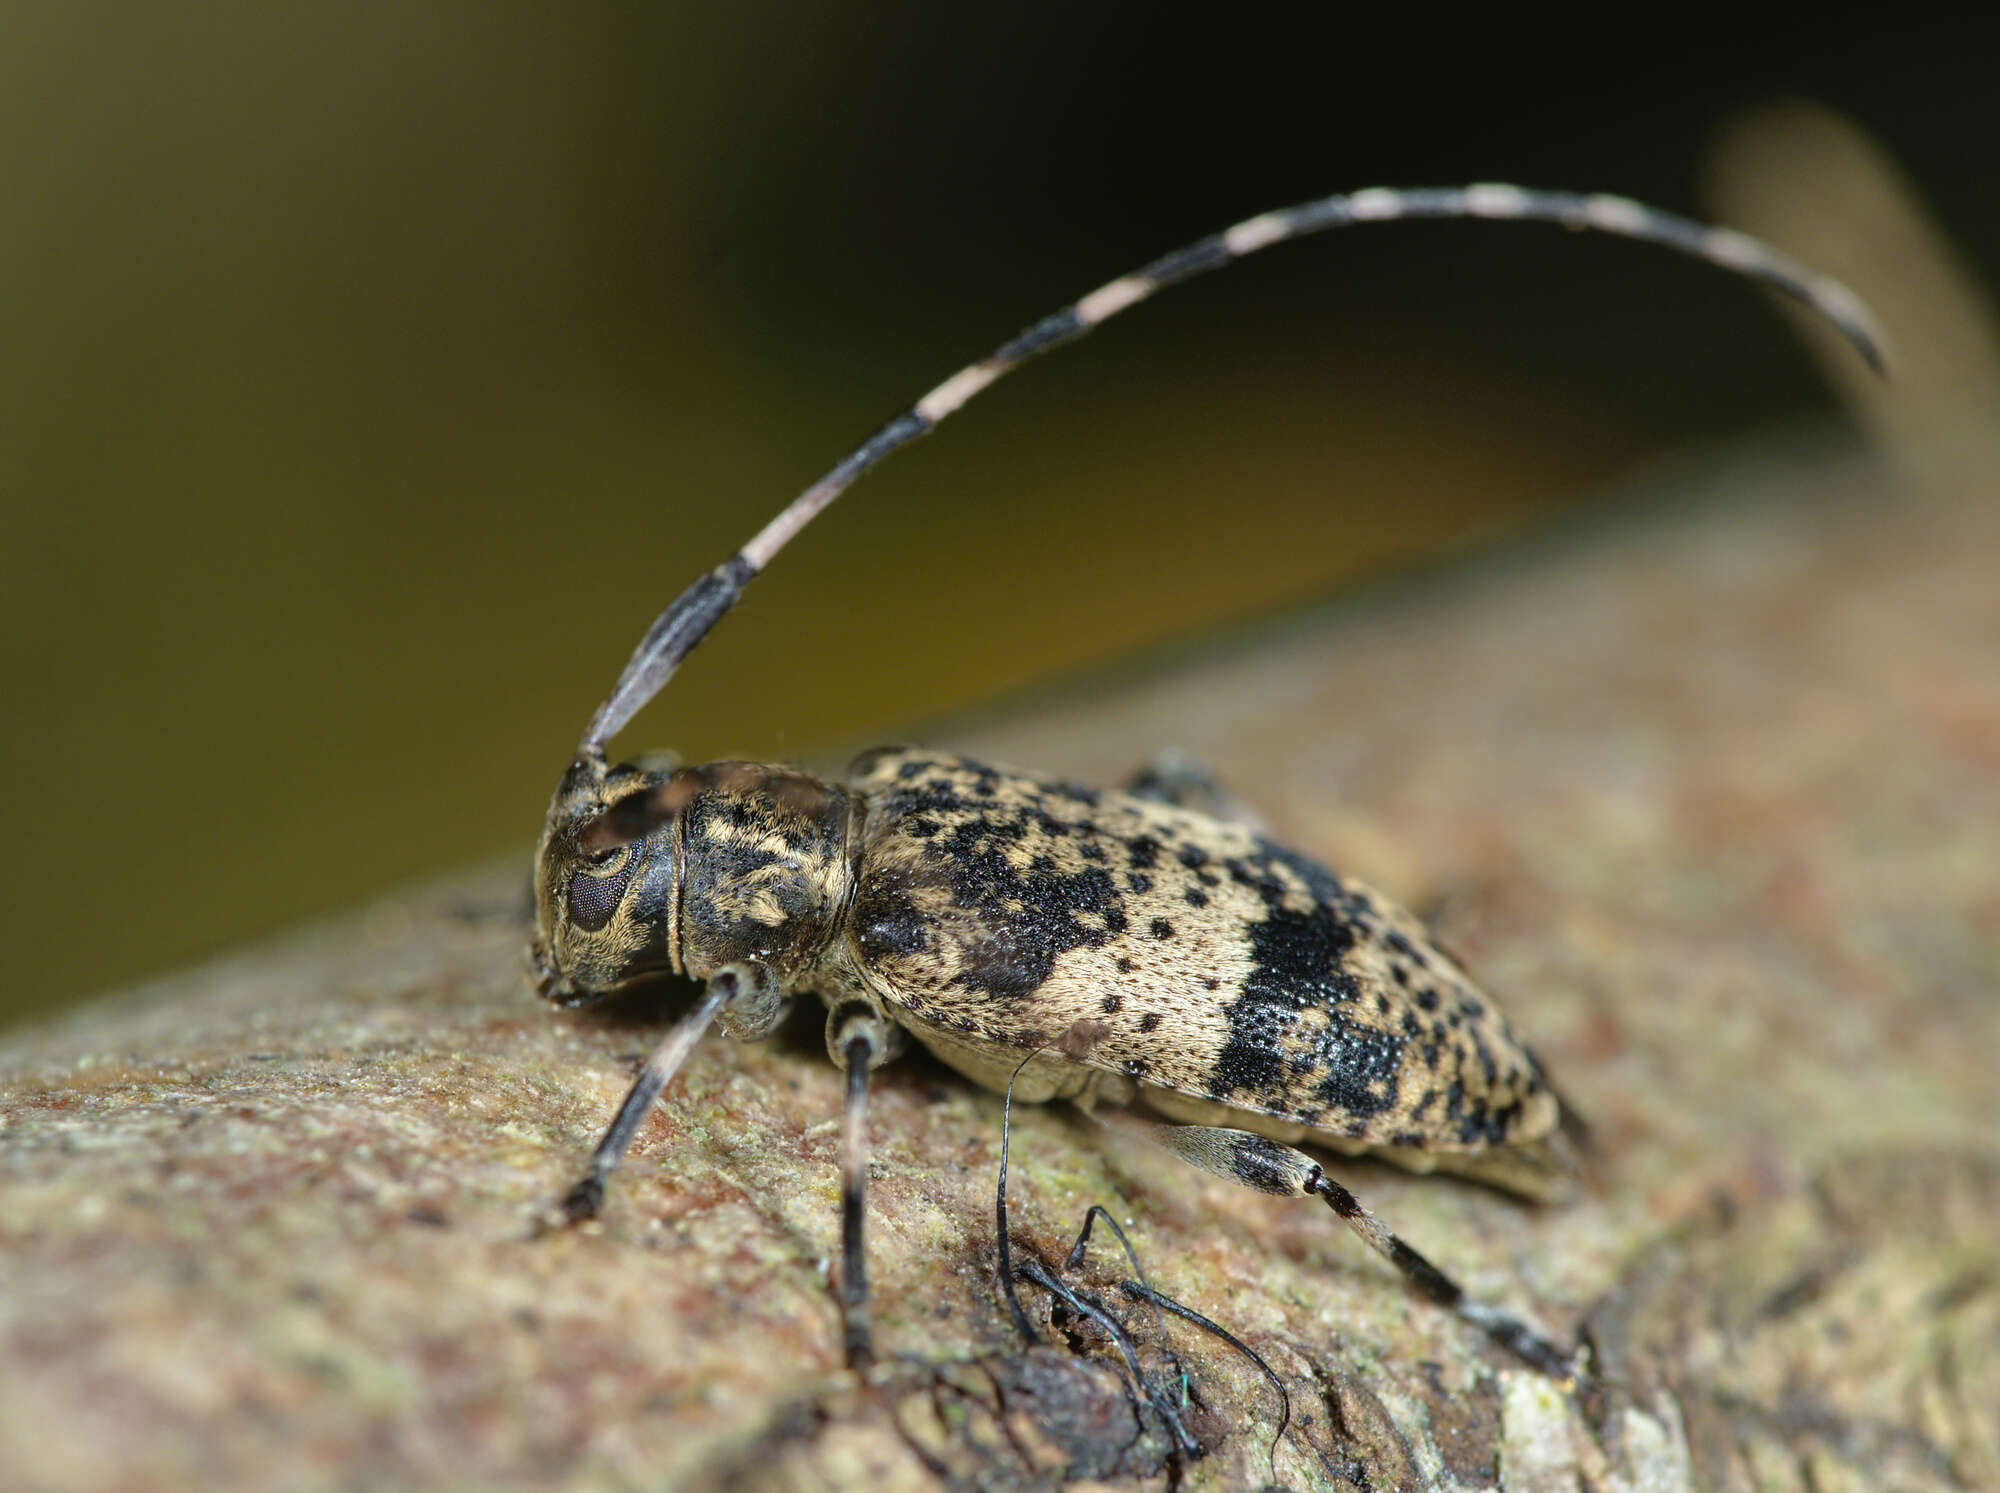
1156	1004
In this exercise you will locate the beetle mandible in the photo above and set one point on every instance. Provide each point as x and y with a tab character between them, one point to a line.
1107	947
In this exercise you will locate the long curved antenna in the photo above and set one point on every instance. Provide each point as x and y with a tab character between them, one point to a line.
675	632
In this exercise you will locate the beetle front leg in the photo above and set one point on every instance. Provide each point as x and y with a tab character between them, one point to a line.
860	1039
748	1003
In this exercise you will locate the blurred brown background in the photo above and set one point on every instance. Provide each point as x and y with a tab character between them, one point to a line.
371	373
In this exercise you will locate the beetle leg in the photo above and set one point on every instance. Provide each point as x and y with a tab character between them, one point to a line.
746	988
1089	1308
1075	1259
1135	1290
859	1039
1138	1290
1141	1289
1003	1233
1269	1167
1173	777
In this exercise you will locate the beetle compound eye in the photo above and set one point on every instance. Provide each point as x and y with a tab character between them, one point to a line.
593	899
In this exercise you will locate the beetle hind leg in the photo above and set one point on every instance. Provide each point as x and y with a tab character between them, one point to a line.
1270	1167
1173	777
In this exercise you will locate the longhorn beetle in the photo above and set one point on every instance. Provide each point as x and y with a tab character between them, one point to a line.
1113	947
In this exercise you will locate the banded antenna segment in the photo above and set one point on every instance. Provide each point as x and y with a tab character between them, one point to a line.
682	625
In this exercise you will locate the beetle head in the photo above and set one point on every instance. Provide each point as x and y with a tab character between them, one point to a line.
649	872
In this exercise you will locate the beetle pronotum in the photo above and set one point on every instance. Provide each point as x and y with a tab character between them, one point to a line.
1104	947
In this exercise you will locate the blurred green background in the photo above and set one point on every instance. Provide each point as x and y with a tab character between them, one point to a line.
371	373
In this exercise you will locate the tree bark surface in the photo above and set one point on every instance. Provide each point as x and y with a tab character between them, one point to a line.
1707	793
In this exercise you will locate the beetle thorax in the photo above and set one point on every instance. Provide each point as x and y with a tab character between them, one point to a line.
765	869
646	873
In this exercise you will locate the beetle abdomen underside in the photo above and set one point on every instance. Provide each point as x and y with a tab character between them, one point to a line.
1183	952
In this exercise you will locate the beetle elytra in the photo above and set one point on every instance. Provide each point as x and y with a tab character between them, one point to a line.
1104	947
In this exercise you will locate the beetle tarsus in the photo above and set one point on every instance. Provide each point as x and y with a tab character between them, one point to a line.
1089	1308
586	1198
583	1201
1138	1382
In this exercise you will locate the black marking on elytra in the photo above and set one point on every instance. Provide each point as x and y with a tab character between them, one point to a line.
1044	911
886	920
1362	1078
1300	950
1484	1124
1298	955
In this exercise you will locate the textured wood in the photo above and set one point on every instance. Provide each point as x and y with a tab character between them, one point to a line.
1708	795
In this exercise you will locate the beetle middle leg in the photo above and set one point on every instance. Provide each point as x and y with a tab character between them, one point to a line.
1270	1167
1174	777
860	1038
